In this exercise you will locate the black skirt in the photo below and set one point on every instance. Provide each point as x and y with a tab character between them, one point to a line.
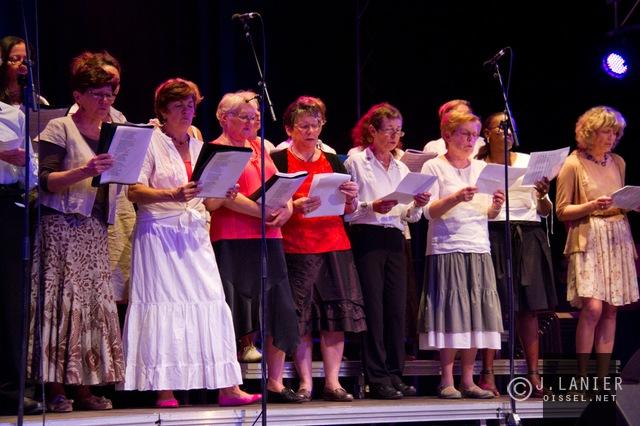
241	274
326	292
533	281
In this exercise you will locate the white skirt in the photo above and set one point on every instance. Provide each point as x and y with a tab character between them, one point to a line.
178	332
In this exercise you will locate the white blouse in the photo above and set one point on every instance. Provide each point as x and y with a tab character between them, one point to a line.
464	228
374	182
163	168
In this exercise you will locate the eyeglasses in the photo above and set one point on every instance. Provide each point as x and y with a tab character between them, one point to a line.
14	60
98	96
392	132
308	126
467	135
246	118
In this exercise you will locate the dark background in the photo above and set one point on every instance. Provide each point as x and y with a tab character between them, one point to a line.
413	54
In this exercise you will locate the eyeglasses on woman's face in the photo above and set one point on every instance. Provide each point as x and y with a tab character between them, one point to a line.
467	134
244	117
16	60
99	95
305	127
390	131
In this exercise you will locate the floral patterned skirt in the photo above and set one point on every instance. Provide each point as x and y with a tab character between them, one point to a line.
606	270
79	336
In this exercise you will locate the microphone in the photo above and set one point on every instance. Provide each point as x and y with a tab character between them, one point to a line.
495	58
244	16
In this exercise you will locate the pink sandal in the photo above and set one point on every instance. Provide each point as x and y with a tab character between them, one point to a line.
167	403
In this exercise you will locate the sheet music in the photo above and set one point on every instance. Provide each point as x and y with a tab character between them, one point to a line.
222	172
411	185
285	185
544	164
325	186
128	149
414	159
627	197
10	144
492	178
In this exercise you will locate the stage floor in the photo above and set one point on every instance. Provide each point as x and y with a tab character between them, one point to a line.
416	409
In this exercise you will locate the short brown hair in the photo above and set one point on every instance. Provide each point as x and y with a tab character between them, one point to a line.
304	105
87	74
361	134
174	89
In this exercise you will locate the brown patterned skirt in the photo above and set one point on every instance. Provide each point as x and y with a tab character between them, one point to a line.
78	335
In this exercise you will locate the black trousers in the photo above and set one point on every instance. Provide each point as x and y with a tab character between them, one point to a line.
380	259
11	291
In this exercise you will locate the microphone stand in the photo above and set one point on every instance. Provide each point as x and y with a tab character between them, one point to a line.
265	99
29	103
512	418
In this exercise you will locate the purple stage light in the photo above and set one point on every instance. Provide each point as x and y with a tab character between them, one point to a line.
615	64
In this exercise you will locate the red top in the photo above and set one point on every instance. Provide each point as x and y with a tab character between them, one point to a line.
318	234
187	166
229	225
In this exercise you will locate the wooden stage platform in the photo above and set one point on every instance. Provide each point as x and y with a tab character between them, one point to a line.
365	411
360	411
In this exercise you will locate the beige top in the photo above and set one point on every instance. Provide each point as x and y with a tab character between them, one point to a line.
80	196
580	181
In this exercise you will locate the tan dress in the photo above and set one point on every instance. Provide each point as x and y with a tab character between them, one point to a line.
605	270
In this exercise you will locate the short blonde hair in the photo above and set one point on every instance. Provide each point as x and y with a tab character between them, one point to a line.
453	104
233	101
456	118
598	118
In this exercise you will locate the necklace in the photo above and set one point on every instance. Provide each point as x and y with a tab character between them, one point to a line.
385	160
300	156
176	141
590	157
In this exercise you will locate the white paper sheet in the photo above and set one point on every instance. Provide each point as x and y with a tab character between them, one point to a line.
627	197
222	172
8	145
414	159
325	186
544	164
285	185
128	149
492	178
411	185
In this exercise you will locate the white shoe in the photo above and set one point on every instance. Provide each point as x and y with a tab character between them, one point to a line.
250	354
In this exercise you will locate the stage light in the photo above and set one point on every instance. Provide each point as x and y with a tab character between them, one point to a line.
615	64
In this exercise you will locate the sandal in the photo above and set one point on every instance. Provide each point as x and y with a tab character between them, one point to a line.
476	392
486	386
304	393
448	392
537	391
167	403
95	403
60	404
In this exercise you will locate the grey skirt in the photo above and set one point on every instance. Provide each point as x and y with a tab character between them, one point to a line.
459	307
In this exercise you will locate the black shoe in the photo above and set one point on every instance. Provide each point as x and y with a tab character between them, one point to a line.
405	389
286	395
382	391
31	406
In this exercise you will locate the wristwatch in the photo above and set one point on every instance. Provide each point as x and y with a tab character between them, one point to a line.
364	205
